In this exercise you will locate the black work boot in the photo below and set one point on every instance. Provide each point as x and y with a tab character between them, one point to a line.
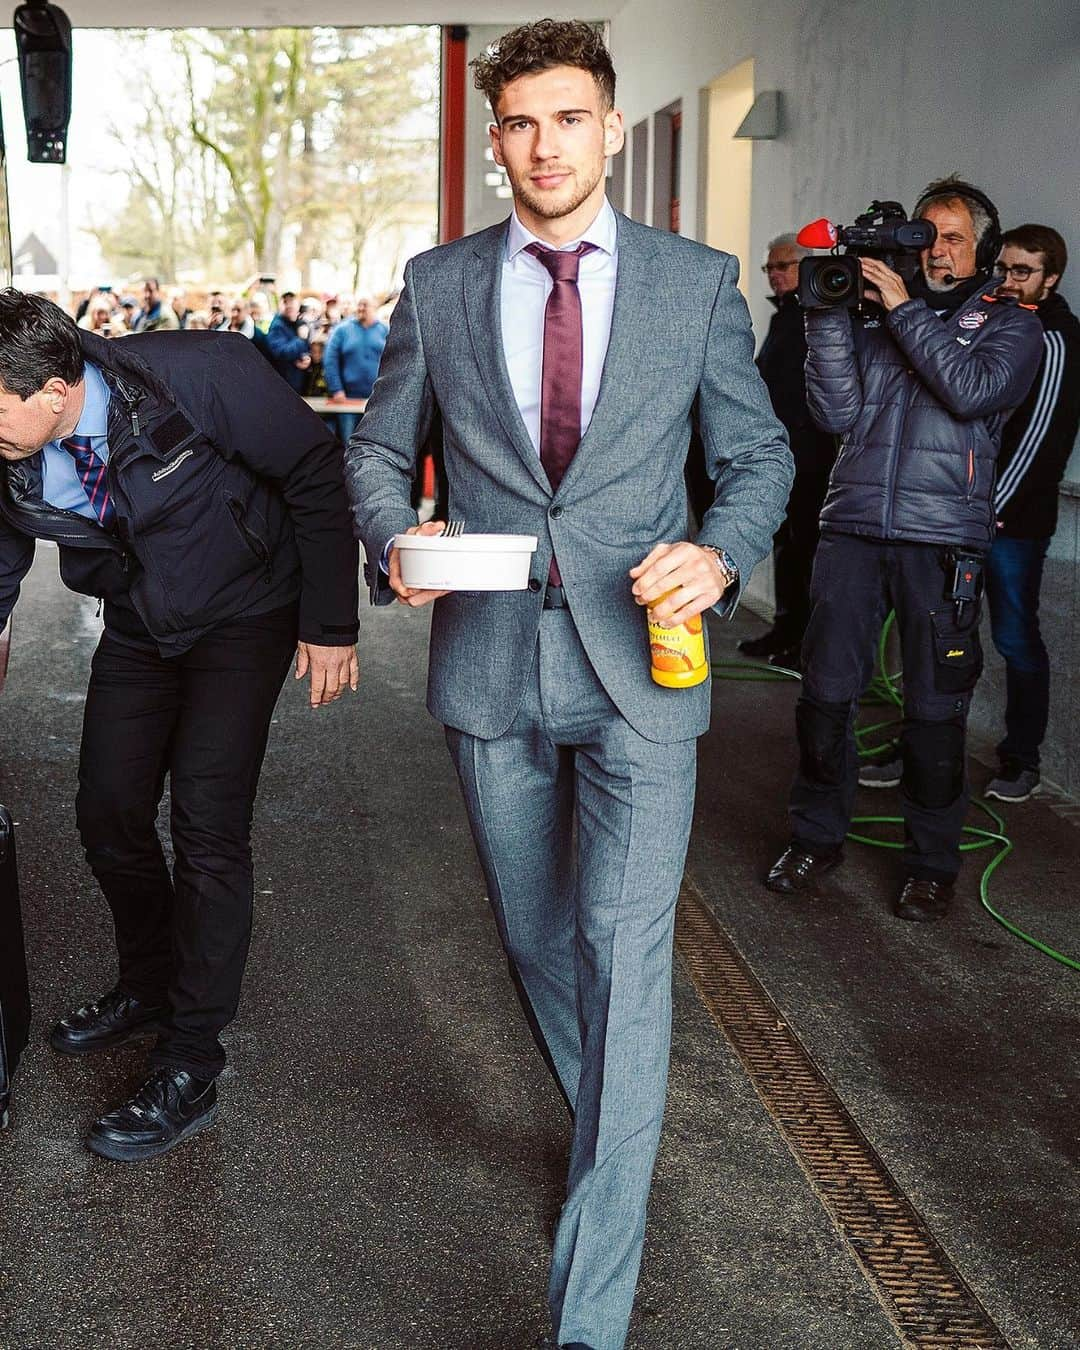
113	1019
798	871
923	901
170	1107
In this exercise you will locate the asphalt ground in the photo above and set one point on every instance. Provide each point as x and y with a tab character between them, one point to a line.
390	1151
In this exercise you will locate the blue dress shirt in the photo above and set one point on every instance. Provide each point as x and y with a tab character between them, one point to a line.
60	485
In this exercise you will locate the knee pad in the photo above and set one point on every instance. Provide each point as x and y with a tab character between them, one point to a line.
933	762
822	729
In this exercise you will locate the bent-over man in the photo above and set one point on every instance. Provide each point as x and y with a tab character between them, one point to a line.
191	491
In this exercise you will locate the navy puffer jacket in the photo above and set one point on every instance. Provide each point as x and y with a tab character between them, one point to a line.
919	403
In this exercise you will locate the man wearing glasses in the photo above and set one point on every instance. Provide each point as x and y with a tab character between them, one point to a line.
1035	448
781	361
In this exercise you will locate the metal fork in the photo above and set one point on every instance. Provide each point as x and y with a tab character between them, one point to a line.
452	529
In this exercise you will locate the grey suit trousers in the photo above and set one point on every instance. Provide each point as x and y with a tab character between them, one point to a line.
582	825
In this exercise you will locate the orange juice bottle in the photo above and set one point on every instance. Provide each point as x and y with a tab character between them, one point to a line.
677	654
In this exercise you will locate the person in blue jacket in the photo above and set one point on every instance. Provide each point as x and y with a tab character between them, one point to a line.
287	343
351	362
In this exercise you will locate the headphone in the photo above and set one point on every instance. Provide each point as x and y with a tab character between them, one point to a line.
989	245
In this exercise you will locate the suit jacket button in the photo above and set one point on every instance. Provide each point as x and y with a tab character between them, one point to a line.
556	511
534	583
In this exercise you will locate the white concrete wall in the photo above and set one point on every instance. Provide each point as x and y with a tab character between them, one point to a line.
878	99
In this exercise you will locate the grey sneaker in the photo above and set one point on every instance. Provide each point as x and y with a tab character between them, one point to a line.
877	773
1014	784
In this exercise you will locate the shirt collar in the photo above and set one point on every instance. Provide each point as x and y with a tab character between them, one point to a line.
602	232
94	420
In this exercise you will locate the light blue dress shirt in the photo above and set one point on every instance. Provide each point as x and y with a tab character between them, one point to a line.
60	479
526	285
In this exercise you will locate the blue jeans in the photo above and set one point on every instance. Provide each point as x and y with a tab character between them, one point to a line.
346	424
1013	578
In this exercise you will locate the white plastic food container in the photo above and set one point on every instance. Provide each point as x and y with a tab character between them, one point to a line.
467	562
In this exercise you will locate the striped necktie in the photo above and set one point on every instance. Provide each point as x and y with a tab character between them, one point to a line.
91	470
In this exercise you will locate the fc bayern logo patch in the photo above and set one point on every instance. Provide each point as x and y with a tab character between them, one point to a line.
975	319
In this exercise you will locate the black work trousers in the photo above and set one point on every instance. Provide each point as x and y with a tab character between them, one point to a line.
794	545
856	581
202	718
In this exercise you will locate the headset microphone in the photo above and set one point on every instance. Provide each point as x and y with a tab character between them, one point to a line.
949	279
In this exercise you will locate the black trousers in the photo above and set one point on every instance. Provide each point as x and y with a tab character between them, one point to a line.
855	583
203	718
794	546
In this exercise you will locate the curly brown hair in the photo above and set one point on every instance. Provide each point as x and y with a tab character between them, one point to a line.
541	46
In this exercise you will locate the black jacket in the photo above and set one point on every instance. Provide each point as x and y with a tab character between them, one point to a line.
228	491
919	403
1039	437
782	362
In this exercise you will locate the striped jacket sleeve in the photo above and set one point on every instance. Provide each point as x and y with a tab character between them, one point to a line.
1047	394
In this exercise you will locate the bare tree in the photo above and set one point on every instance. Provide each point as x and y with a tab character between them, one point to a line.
331	130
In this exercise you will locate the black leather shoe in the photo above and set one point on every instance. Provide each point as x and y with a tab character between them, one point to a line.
113	1019
761	647
923	901
798	871
170	1107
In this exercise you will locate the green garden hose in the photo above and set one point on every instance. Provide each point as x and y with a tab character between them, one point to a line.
884	689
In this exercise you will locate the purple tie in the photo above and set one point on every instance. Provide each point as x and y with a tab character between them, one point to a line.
560	386
91	471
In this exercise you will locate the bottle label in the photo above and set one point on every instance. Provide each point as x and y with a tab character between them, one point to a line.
678	654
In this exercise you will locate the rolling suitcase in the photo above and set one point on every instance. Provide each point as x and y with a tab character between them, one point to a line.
14	989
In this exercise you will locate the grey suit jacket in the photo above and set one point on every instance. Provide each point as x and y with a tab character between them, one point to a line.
680	354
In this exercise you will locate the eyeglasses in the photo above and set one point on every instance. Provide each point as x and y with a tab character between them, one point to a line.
777	267
1021	271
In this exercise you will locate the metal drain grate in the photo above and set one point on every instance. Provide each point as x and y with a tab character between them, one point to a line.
924	1295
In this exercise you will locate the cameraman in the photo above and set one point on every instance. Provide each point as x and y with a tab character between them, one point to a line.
918	386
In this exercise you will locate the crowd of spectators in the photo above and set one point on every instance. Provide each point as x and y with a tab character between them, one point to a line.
324	346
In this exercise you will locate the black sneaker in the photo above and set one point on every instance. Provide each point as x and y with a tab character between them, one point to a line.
760	648
170	1107
879	773
113	1019
1014	784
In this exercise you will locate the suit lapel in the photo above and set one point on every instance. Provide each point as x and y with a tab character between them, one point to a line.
483	278
631	340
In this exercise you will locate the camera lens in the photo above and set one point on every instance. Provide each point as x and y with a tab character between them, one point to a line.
830	282
834	283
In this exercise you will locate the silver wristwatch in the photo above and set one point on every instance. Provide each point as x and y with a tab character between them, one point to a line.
726	564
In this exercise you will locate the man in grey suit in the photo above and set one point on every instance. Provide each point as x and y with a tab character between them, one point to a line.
589	348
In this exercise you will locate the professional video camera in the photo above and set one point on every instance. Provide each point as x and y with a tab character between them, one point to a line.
882	232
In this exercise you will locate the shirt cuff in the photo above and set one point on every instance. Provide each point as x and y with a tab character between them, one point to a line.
384	557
